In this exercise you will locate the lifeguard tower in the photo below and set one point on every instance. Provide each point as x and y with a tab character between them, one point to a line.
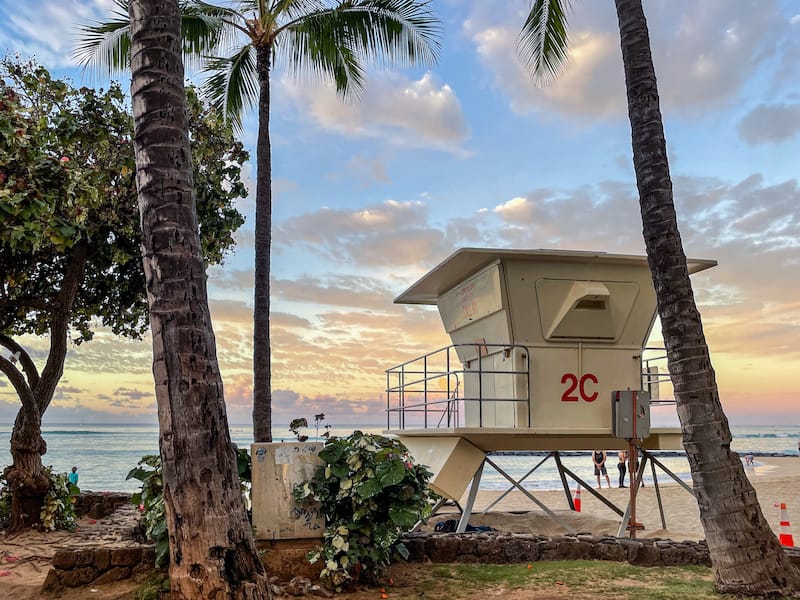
548	354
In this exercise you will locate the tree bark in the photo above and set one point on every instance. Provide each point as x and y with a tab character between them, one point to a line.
262	379
745	554
212	554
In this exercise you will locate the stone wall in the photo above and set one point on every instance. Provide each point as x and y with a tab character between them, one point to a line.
500	548
97	505
73	568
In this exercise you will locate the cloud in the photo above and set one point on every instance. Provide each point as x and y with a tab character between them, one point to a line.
412	114
704	53
770	123
591	84
132	394
391	234
369	170
48	30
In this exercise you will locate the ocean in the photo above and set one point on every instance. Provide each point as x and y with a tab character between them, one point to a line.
104	454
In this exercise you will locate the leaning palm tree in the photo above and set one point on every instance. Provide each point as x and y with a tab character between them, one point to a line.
212	553
745	554
239	44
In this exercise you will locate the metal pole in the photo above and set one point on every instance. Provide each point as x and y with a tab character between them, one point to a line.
557	458
677	479
511	489
473	491
594	492
425	389
658	495
530	496
480	387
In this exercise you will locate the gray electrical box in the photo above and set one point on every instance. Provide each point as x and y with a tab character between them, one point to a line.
630	413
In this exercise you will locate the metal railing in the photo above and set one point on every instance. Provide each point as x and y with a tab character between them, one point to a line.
429	391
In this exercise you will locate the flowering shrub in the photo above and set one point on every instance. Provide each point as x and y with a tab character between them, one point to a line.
369	491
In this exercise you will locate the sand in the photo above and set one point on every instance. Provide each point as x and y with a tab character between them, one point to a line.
775	479
26	558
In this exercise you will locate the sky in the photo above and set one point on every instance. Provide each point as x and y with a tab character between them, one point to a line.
372	192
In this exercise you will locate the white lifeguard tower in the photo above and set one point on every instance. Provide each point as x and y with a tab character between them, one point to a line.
548	353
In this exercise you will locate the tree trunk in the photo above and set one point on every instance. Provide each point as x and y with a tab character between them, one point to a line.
212	554
745	554
262	379
25	476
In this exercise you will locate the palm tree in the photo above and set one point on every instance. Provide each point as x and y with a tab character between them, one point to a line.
212	554
322	37
746	556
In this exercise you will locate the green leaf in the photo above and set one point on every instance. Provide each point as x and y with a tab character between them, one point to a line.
391	473
369	488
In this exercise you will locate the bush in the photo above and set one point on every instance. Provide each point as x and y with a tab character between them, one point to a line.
58	510
370	492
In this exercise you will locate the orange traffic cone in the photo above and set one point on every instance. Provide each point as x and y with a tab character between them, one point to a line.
577	500
785	536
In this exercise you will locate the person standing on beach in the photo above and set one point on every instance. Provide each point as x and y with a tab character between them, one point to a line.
73	476
599	460
622	466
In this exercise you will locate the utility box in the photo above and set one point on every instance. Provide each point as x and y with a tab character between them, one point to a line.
277	468
631	414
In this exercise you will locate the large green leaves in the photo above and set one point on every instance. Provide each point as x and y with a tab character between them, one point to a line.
369	492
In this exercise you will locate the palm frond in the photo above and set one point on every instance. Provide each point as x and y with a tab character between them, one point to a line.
204	29
543	42
337	41
232	84
106	47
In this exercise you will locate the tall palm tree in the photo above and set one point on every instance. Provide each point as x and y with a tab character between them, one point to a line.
745	554
212	553
330	39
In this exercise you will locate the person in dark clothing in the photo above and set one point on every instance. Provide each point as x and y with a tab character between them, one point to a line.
622	466
599	461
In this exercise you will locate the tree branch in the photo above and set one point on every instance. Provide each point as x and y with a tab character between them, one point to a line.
20	385
59	325
28	366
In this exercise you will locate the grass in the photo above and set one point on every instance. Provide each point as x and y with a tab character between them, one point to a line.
555	579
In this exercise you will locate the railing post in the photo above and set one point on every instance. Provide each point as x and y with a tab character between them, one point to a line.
480	386
425	390
528	361
402	397
388	402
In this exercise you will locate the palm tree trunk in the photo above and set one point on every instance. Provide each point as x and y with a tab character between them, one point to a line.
262	384
746	555
212	554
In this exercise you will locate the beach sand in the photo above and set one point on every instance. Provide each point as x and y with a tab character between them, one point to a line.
775	479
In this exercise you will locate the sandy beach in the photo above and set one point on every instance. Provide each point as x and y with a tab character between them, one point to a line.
776	479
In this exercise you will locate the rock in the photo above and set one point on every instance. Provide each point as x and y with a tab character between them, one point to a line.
64	559
126	557
298	586
113	574
318	590
52	583
102	559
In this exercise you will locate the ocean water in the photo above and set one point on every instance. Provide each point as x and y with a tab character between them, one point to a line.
104	454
